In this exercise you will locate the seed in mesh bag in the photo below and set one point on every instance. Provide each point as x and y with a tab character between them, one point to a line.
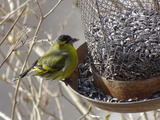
87	87
132	49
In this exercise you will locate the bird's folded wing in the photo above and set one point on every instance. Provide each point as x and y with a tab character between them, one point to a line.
49	63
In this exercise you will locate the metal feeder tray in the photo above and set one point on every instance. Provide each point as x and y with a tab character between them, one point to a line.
125	107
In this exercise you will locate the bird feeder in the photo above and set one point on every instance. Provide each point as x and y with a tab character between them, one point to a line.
122	107
123	39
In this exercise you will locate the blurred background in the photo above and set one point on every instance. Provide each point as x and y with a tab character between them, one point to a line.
38	99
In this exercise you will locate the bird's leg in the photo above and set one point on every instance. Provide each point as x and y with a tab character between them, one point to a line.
67	81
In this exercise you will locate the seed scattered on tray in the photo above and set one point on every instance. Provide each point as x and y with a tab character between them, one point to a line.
87	87
131	48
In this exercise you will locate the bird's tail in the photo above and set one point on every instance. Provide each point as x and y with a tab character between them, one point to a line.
25	73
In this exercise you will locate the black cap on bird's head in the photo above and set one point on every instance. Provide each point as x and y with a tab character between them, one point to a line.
66	39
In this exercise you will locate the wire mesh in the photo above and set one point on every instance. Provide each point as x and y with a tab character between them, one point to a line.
123	37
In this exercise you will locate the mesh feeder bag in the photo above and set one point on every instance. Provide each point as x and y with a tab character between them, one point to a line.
123	37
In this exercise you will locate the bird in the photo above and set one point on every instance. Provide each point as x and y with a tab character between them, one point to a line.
58	63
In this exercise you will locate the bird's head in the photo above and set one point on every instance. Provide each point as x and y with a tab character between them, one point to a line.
65	39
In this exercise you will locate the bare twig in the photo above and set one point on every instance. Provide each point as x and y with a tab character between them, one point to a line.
3	11
155	115
72	104
52	10
144	116
9	64
3	116
14	48
19	80
79	102
122	116
13	12
40	91
50	114
19	115
89	109
39	7
29	52
6	35
130	116
59	108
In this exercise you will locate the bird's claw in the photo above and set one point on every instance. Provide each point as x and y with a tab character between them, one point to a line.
67	81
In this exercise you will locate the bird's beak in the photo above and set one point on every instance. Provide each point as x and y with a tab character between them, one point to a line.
74	40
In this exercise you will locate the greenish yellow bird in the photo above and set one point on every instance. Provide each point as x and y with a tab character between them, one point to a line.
58	62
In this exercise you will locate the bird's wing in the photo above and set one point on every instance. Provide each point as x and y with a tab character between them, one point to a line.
28	70
50	62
